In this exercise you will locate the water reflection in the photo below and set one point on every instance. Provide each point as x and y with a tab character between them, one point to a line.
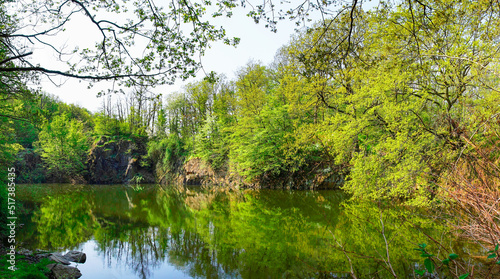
156	233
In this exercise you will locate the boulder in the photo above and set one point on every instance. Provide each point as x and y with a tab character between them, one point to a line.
60	271
58	258
75	256
24	252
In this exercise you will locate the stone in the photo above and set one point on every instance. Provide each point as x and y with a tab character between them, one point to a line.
38	251
42	256
58	258
60	271
24	252
75	256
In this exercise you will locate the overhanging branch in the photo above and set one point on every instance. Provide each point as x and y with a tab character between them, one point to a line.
88	77
15	57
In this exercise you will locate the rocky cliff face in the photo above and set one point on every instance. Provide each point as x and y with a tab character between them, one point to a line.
115	161
197	172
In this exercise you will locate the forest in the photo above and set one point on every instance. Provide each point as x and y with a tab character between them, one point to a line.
397	105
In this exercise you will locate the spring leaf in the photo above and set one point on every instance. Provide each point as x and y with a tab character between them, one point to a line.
429	265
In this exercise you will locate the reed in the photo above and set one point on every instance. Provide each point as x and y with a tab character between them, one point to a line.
473	184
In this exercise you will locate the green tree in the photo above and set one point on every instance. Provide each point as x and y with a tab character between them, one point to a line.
252	85
110	126
211	144
63	145
259	143
212	138
400	93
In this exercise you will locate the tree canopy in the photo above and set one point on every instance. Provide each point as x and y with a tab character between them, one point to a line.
136	42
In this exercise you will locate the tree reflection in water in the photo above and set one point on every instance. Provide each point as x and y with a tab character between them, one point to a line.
223	234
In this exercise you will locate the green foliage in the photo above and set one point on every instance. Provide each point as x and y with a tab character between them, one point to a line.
430	265
14	131
261	145
25	270
252	85
26	133
252	128
29	167
493	254
75	112
200	118
386	104
211	143
167	54
168	153
109	126
394	104
3	204
63	145
136	180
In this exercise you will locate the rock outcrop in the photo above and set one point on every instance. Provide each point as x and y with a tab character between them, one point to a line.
58	258
115	161
195	172
60	271
76	257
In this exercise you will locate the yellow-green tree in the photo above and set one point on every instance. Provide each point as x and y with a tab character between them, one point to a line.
400	88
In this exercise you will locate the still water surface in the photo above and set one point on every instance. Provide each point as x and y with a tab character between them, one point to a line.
158	233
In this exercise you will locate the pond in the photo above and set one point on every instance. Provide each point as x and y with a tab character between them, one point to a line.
152	232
